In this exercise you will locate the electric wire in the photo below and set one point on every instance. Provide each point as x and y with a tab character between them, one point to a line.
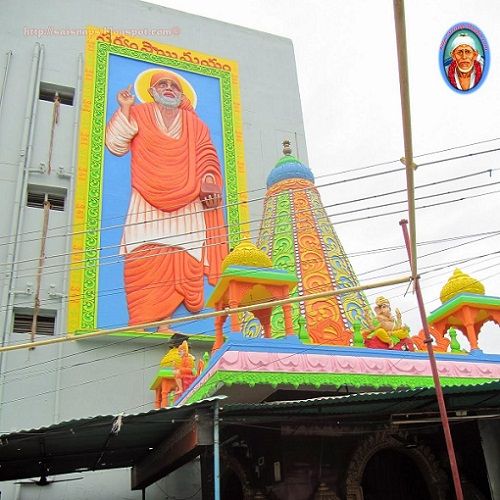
476	281
343	181
29	367
119	290
143	349
104	260
156	284
43	393
437	279
434	252
414	156
70	225
201	240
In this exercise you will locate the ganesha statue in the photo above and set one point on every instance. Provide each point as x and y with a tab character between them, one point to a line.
388	331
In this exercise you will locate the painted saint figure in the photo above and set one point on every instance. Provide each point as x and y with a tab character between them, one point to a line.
174	231
466	67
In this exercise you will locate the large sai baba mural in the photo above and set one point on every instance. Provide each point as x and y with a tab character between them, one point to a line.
160	182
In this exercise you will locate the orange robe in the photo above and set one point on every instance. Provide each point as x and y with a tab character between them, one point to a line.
167	172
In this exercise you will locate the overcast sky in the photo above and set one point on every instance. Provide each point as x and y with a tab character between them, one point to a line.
348	78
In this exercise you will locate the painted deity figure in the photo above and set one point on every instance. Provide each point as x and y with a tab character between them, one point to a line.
183	368
387	328
466	67
174	231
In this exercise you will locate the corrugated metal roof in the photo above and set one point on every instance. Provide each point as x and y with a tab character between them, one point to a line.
203	402
368	401
90	443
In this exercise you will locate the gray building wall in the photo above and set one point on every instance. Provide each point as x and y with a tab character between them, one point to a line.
107	375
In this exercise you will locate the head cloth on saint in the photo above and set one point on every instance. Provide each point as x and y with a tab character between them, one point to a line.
463	39
163	74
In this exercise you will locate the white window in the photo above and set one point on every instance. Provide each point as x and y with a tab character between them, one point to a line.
48	93
38	195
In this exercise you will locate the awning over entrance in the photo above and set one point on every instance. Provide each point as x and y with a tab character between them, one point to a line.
159	441
152	443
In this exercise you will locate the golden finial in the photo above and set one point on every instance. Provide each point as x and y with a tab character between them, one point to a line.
247	254
287	149
458	283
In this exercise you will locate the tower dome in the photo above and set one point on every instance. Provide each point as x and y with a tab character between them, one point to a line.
288	167
246	254
298	237
458	283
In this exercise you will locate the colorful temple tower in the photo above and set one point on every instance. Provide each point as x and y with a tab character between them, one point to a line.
298	236
319	346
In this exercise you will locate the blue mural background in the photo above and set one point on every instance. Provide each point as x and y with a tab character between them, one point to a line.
112	306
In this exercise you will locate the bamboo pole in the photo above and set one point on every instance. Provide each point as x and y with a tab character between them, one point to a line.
404	89
41	261
227	311
410	236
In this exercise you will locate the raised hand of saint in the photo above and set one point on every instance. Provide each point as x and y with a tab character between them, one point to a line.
125	99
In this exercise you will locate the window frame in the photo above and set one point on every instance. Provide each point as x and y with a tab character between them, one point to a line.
52	194
25	315
47	92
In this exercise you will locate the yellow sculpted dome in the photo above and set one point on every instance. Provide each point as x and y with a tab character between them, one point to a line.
458	283
247	254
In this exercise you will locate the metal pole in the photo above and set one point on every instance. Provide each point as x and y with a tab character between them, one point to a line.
62	322
435	374
22	167
5	77
19	197
216	453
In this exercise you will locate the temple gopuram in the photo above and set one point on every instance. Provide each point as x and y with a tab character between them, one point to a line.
325	342
322	395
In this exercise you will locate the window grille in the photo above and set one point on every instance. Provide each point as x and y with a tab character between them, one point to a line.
45	324
37	195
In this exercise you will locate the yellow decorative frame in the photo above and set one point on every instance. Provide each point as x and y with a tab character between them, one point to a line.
83	280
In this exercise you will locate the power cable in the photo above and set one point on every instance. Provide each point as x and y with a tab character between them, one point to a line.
317	177
201	240
343	181
102	260
448	264
416	208
147	333
156	284
305	349
435	252
119	290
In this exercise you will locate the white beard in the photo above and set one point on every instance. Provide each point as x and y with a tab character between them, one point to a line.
466	70
168	102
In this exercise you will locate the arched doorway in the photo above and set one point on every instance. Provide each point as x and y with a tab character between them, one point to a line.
382	467
235	482
231	487
392	475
